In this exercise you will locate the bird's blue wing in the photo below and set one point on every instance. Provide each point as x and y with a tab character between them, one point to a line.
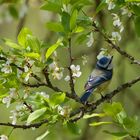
93	82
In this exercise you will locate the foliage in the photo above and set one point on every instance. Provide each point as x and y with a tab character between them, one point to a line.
32	63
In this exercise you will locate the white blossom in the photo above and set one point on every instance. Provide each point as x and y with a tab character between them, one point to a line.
67	78
26	69
125	11
117	22
14	116
31	62
7	101
111	4
116	36
6	68
84	59
60	110
64	111
3	137
12	92
27	77
57	72
76	70
43	94
57	75
90	39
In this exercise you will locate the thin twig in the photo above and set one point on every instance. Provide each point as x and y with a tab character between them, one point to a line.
70	71
114	46
36	125
92	106
22	20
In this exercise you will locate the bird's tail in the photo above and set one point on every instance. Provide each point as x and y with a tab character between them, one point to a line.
85	96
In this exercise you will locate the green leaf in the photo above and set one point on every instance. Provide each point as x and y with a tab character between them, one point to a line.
56	27
13	11
11	44
99	123
57	98
36	114
117	134
136	9
66	21
94	115
78	29
100	6
33	55
53	48
22	36
132	0
43	135
51	6
73	127
33	42
73	19
137	25
66	1
112	109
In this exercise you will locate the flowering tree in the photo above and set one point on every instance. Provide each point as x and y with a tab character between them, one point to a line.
30	64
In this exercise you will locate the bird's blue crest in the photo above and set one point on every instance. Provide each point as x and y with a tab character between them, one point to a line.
103	62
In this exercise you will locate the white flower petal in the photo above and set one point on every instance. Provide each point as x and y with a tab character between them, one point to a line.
67	78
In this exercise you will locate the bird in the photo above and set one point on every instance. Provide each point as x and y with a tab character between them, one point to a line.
99	78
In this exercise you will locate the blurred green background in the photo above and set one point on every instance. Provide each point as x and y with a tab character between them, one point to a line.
35	19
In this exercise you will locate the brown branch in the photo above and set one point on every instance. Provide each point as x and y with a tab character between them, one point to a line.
70	71
28	106
114	46
22	20
36	125
92	106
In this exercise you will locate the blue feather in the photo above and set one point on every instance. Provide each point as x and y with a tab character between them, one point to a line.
85	96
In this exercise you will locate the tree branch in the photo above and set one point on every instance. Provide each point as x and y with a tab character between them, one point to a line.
22	20
89	107
114	46
70	71
36	125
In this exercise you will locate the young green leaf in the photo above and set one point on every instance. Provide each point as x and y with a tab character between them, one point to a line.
22	36
33	55
51	6
43	136
66	21
112	109
94	115
117	134
137	25
11	44
73	19
100	6
54	26
13	11
53	48
57	98
36	114
99	123
73	127
33	42
136	9
78	29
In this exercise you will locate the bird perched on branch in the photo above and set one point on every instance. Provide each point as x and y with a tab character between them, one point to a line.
99	77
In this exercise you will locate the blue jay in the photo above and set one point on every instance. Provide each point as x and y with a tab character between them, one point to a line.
99	77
